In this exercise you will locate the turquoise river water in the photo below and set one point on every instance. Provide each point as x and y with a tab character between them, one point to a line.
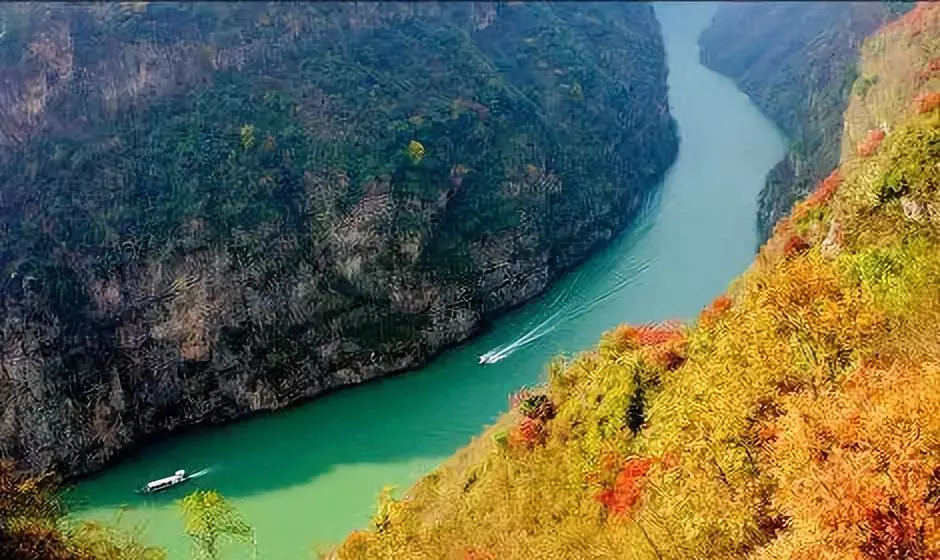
311	474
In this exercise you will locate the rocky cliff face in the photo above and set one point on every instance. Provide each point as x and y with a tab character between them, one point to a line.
208	210
797	62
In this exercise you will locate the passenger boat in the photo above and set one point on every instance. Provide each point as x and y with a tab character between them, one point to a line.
162	484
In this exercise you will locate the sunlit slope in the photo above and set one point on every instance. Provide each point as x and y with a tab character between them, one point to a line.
796	419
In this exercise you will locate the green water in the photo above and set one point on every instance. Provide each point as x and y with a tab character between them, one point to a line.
311	474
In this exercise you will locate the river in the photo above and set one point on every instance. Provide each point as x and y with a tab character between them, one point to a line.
311	474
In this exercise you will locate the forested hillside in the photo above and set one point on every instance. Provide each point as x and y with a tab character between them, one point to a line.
212	209
798	62
795	419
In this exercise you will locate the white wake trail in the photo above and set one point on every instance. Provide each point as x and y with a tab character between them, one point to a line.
623	279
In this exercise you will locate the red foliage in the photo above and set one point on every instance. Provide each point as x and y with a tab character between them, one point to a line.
648	335
628	486
661	344
768	433
870	144
929	71
891	533
826	189
528	433
715	309
477	554
917	21
795	245
668	358
926	102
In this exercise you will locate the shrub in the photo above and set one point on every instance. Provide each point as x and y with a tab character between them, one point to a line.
527	434
869	145
715	309
826	189
628	486
927	102
795	245
538	407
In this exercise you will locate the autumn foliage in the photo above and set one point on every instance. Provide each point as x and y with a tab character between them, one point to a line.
715	309
477	554
647	335
29	510
795	245
927	102
869	145
627	488
924	16
826	189
32	525
931	70
797	420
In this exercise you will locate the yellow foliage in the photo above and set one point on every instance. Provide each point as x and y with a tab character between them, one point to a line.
415	151
797	421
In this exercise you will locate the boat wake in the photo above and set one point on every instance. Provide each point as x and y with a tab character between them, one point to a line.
563	314
200	473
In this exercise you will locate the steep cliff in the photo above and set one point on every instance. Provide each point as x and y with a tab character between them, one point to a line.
797	62
796	419
211	209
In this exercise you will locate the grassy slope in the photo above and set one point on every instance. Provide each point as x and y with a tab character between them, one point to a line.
796	419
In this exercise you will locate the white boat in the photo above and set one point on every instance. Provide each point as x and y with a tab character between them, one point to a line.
161	484
489	358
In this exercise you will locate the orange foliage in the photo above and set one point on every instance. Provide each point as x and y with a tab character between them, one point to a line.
872	484
670	460
782	226
715	309
647	335
669	357
29	510
528	433
826	189
820	196
661	345
924	16
926	102
929	71
870	144
477	554
628	486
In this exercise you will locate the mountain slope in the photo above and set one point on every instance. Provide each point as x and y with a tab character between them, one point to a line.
797	62
795	419
213	209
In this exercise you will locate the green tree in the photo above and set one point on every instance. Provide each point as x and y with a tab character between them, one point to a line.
210	520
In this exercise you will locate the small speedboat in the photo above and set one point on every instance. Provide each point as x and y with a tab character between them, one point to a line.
162	484
489	358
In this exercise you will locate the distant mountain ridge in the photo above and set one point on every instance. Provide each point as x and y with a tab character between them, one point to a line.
797	62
